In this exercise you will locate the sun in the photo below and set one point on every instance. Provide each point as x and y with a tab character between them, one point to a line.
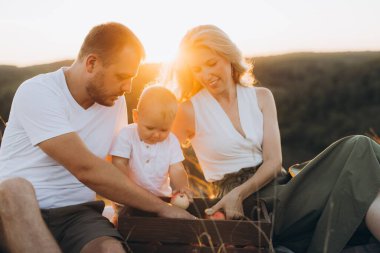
160	49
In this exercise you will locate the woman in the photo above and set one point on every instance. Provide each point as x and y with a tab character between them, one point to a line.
233	129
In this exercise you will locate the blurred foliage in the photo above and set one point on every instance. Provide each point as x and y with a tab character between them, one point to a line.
320	97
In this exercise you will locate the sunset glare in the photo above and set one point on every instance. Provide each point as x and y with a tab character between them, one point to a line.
42	31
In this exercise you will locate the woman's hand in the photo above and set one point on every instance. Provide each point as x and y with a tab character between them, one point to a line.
231	203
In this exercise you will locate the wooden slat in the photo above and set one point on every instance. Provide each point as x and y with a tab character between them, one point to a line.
142	229
255	210
145	248
138	226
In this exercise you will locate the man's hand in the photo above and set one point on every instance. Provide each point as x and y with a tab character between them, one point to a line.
169	211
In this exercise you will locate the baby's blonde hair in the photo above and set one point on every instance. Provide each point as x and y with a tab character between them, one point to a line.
157	95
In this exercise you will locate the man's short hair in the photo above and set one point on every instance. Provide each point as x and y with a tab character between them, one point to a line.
108	40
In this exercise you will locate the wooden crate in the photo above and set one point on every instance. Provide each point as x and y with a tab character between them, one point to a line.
145	232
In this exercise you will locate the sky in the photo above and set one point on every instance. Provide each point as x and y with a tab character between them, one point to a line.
44	31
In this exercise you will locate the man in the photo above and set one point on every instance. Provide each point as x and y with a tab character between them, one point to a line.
60	129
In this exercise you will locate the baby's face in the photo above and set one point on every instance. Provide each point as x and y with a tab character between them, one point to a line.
152	127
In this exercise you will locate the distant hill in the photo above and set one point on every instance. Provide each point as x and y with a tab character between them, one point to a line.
320	96
11	77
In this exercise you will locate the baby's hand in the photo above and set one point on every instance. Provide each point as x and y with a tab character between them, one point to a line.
185	190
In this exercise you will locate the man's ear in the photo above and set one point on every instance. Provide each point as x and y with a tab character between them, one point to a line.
91	60
135	115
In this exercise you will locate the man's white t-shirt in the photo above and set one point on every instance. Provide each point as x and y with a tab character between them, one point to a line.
43	108
148	163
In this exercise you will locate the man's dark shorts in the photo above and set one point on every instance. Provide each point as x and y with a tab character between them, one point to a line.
75	226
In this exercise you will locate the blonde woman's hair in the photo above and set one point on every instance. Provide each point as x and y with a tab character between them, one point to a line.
216	40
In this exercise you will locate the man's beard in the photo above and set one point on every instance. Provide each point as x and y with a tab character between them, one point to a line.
96	90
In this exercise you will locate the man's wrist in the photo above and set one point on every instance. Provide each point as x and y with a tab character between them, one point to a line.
161	207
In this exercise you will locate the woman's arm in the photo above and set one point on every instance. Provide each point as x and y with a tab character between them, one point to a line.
272	157
184	123
272	160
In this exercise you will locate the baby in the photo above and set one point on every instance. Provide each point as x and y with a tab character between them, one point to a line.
146	151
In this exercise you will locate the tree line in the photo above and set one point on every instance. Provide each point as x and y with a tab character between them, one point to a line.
320	97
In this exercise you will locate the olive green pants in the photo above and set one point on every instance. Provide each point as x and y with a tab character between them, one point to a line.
321	208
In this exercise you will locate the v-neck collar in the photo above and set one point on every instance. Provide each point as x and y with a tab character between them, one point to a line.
225	116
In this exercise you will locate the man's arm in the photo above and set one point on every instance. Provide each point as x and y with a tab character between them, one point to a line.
104	178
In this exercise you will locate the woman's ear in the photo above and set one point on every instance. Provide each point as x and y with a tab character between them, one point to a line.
135	115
